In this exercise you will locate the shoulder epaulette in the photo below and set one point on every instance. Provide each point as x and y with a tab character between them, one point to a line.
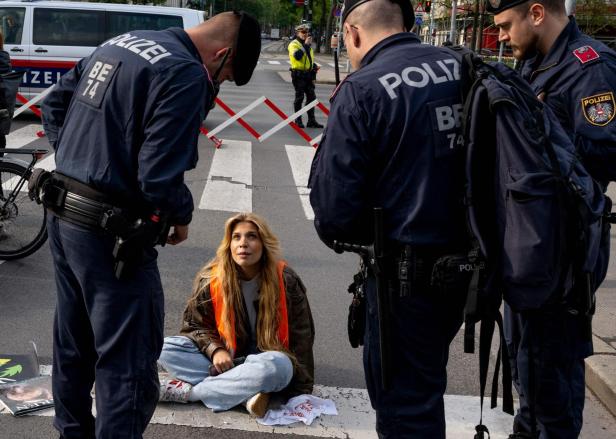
333	95
585	54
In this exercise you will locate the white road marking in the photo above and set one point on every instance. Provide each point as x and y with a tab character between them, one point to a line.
48	163
274	62
228	183
17	140
23	136
300	158
355	418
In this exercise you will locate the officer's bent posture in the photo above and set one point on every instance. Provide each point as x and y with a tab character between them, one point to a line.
125	123
392	141
576	76
303	73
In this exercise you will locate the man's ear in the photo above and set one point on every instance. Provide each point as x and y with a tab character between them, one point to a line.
220	53
355	37
537	13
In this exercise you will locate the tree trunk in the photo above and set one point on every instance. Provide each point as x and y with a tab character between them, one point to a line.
330	27
322	23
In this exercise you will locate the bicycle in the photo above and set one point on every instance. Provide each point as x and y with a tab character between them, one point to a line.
23	227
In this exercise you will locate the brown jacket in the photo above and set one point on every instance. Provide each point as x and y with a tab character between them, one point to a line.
201	328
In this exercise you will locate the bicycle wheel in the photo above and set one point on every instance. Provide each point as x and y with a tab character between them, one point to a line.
22	221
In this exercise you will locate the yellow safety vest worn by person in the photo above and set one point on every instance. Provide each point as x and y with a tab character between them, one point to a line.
306	61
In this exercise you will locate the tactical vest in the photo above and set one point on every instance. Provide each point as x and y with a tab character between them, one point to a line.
216	294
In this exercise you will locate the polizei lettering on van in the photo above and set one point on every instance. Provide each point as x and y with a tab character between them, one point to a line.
147	49
419	76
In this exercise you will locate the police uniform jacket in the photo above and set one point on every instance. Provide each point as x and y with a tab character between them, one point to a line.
199	324
578	77
126	119
392	141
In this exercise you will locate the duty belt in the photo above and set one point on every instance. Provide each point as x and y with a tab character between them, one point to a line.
76	208
413	267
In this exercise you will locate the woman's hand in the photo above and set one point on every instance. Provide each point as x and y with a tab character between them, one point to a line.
222	360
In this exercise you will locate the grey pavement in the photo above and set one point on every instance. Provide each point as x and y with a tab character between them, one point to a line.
601	367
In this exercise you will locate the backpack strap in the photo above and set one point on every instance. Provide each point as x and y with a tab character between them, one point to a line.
479	305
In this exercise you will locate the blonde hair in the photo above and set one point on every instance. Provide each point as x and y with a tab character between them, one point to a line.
226	270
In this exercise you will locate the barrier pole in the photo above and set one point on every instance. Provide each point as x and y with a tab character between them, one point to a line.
238	115
289	119
29	103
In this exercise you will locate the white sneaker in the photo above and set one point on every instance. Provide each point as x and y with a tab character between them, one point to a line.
174	390
257	404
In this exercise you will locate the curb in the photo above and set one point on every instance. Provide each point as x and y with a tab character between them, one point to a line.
600	373
286	76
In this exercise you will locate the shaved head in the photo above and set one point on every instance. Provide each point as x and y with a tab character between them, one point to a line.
222	28
377	15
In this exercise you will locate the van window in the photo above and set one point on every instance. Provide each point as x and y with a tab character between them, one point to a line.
12	24
122	22
68	27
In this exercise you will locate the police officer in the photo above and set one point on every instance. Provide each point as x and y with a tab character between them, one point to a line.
303	73
392	141
124	123
576	76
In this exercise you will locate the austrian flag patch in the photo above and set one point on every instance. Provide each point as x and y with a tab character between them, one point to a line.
585	54
599	109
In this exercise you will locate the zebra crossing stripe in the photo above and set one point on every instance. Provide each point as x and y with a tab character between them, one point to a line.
48	163
274	62
300	158
21	137
229	182
16	140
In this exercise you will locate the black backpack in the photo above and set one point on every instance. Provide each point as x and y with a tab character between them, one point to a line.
534	214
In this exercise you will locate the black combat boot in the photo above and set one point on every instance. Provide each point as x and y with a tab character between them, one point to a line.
314	124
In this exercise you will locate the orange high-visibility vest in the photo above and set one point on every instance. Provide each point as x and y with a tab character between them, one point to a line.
217	300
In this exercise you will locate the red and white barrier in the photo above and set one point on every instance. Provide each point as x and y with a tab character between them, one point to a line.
29	104
234	117
286	120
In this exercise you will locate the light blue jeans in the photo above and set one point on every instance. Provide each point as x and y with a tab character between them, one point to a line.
265	372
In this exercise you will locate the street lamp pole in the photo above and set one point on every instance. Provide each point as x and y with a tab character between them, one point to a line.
452	31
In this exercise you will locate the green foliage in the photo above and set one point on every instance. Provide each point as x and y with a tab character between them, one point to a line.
595	16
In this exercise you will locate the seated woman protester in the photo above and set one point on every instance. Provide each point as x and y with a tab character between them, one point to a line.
246	302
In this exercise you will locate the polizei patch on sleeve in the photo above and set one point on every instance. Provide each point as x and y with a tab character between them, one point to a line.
585	54
599	109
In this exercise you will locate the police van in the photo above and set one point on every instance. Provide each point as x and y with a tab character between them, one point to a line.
45	39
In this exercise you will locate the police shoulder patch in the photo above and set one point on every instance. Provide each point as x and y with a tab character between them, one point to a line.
599	109
585	54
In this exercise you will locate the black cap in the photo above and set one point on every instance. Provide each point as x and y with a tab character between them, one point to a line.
408	16
247	48
498	6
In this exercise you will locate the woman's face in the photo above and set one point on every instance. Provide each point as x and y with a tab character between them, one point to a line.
246	248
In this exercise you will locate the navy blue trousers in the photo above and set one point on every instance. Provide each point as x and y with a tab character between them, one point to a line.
421	327
552	343
106	330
